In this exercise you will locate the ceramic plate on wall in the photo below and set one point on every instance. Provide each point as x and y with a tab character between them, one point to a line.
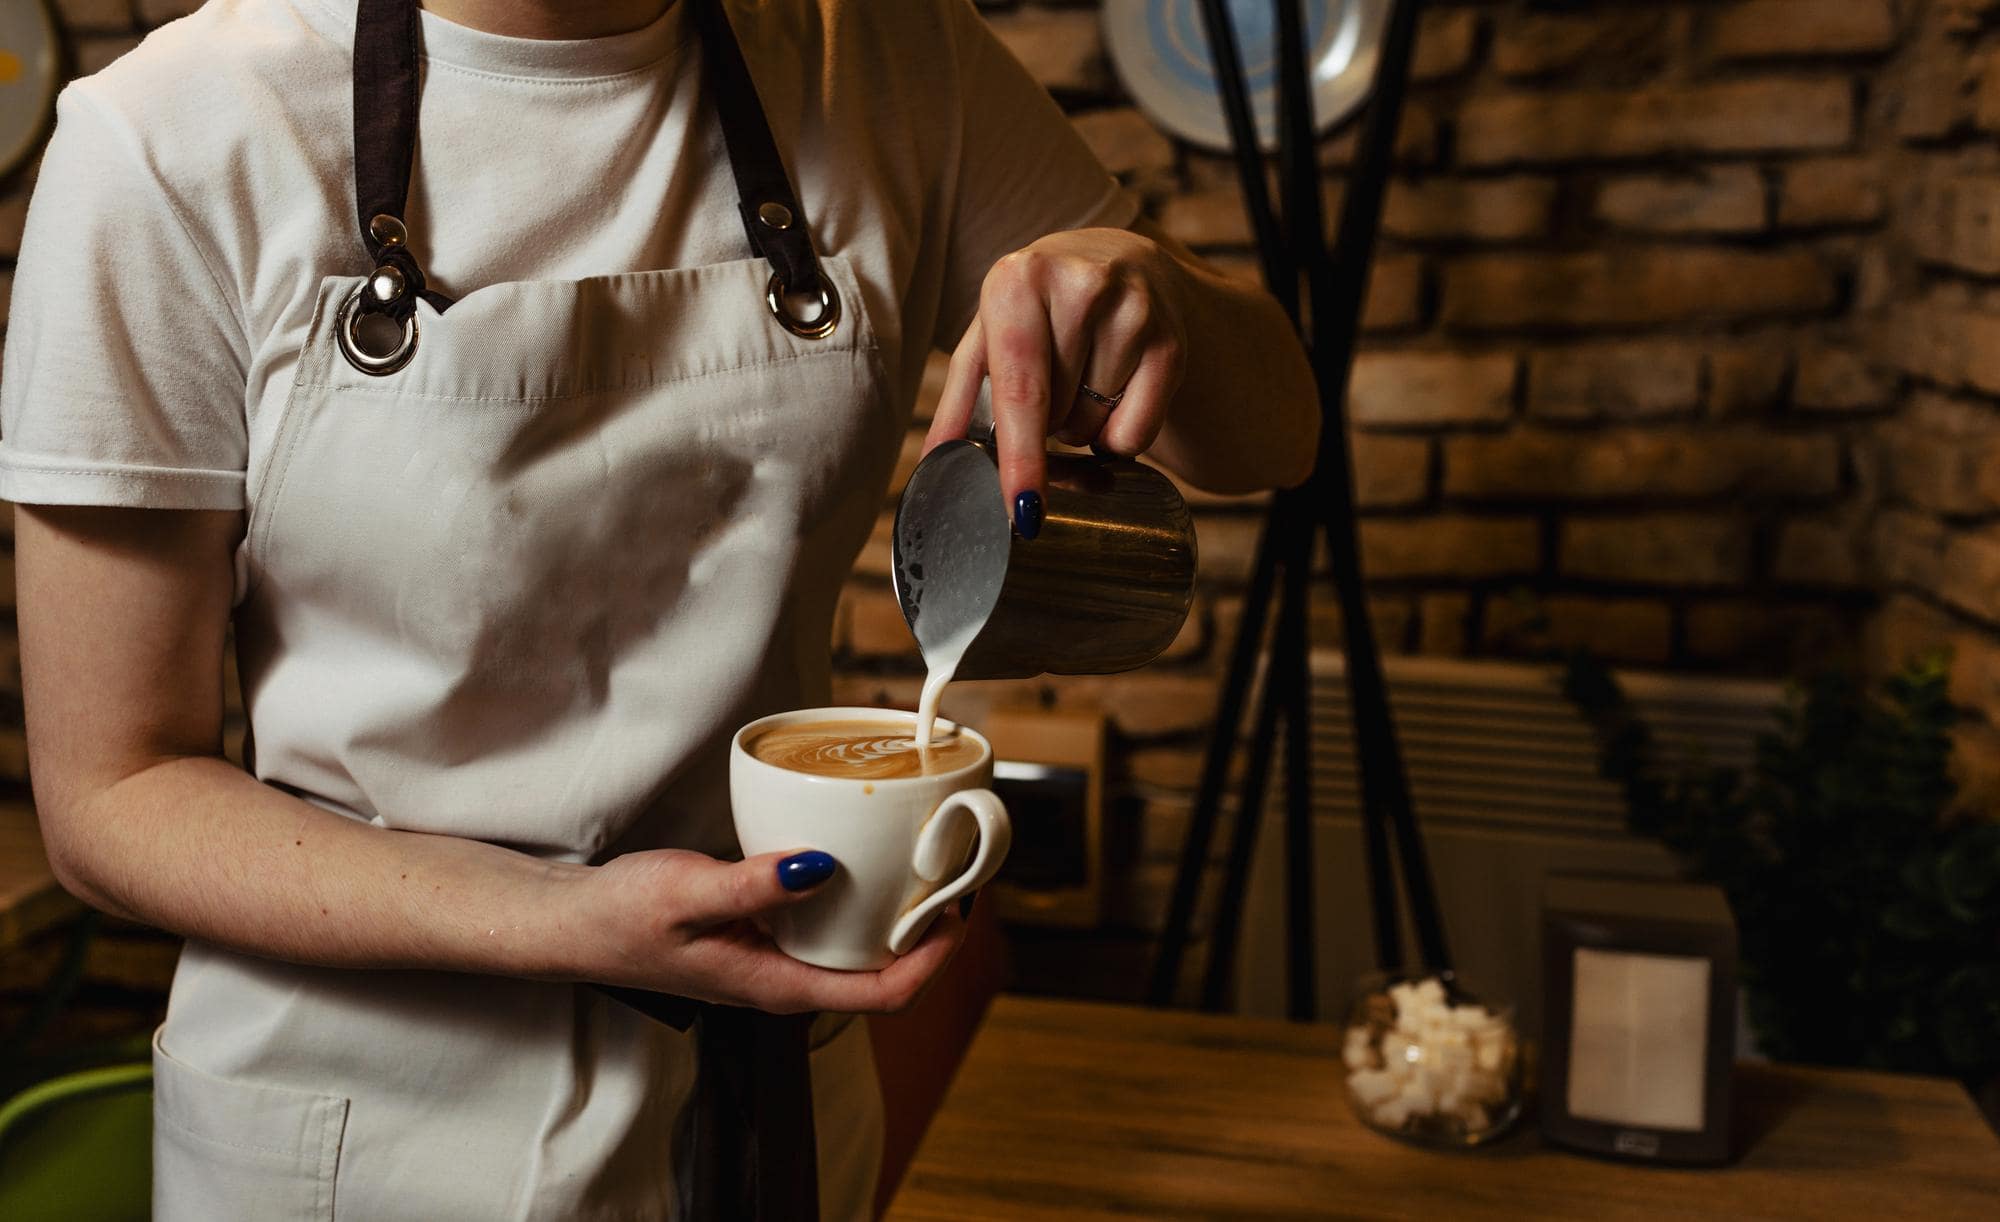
1160	51
28	74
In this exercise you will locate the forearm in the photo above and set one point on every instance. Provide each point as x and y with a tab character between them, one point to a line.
1246	415
122	614
198	847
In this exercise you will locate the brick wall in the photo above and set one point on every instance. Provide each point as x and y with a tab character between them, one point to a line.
1932	467
1678	348
1683	345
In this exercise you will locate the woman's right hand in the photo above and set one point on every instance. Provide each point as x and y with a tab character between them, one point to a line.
681	922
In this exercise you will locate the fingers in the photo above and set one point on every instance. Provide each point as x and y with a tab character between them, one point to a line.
898	986
1088	307
1076	300
743	967
1020	351
909	977
1119	345
1085	420
963	378
718	893
1136	422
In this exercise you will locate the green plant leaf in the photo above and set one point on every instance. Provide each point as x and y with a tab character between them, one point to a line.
1869	930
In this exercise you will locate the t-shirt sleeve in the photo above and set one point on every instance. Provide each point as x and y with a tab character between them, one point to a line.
123	379
1022	171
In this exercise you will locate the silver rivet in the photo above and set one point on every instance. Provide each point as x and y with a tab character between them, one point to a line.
775	215
387	230
386	284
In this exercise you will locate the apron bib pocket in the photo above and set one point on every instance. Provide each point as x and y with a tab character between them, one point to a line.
226	1149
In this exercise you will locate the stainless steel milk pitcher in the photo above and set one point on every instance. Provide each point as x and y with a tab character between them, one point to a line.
1105	586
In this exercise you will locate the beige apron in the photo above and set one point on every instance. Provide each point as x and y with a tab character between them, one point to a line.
592	527
522	590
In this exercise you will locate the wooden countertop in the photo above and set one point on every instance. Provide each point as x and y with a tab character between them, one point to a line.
30	900
1070	1110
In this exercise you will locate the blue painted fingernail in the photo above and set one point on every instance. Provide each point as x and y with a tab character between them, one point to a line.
1028	514
965	904
807	869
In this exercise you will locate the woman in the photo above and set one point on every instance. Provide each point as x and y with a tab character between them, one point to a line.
524	414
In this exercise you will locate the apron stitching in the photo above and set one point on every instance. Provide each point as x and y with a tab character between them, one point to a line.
322	1207
290	428
370	388
294	428
148	473
247	1148
277	493
335	1135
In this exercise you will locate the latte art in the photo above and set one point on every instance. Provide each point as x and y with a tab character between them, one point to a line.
861	750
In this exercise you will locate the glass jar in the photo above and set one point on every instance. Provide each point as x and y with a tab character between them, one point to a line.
1427	1061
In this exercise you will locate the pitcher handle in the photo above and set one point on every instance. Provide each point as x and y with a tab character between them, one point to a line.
933	856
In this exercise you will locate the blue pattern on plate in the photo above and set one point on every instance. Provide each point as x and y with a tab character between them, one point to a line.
1181	43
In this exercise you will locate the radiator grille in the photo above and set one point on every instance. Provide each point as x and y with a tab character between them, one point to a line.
1503	775
1499	743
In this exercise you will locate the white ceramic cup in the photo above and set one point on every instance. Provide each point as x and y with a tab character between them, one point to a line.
905	846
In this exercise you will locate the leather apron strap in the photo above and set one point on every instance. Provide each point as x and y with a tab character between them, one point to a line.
752	1149
752	1141
388	46
388	40
772	218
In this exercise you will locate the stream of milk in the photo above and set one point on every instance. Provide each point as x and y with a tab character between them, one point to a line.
949	574
941	658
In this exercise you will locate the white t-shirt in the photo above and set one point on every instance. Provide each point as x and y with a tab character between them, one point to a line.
196	191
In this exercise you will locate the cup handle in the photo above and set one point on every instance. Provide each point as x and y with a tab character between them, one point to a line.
932	857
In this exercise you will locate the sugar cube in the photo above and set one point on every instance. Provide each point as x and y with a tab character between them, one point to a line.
1371	1085
1391	1113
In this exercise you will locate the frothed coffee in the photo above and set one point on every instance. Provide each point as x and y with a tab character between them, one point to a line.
913	831
858	749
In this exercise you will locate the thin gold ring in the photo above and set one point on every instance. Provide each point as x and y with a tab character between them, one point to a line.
1106	400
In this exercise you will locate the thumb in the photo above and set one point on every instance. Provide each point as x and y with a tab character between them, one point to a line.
733	891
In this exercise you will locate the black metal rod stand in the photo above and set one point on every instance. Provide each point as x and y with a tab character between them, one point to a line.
1339	291
1336	285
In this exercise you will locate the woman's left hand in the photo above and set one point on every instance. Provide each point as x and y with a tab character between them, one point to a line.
1101	309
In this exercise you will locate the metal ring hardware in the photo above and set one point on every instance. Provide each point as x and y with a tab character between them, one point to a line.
347	333
821	325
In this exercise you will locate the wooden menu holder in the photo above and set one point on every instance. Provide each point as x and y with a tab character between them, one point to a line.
1049	769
